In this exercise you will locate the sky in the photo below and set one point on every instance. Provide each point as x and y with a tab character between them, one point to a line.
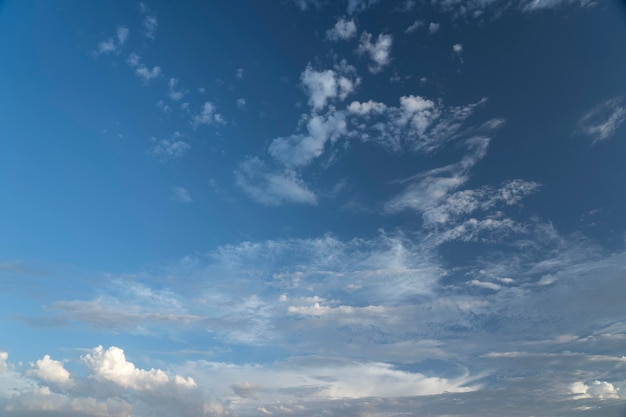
312	208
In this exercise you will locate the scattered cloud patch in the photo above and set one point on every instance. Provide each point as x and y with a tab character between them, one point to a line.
379	51
174	92
300	149
414	26
181	195
242	103
169	149
114	44
328	85
343	30
208	116
357	6
149	23
49	370
143	72
433	28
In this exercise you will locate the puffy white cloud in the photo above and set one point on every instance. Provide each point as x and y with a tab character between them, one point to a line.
601	390
325	86
207	116
300	149
433	28
457	48
366	108
601	122
272	188
50	370
181	195
343	30
146	74
378	51
111	365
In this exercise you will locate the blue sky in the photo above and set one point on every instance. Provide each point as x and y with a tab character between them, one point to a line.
312	207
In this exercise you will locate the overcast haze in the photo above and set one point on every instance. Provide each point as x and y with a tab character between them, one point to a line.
312	207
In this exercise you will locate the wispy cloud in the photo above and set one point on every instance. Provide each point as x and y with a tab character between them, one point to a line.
181	195
149	23
269	187
208	115
114	44
601	122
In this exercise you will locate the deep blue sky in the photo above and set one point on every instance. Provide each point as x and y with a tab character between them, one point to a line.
307	207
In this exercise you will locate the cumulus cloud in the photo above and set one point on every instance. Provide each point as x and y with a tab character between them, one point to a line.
143	72
111	365
328	85
272	188
3	360
601	390
601	122
208	115
379	51
343	30
47	369
433	28
300	149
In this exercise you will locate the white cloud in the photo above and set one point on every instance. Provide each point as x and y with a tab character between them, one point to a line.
343	30
418	123
378	51
146	74
114	45
163	107
149	23
457	48
300	149
601	390
181	195
50	370
272	188
601	122
325	86
169	149
174	92
242	103
239	73
433	28
414	26
3	360
111	365
207	116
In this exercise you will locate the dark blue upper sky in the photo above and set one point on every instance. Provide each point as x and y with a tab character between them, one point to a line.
312	206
